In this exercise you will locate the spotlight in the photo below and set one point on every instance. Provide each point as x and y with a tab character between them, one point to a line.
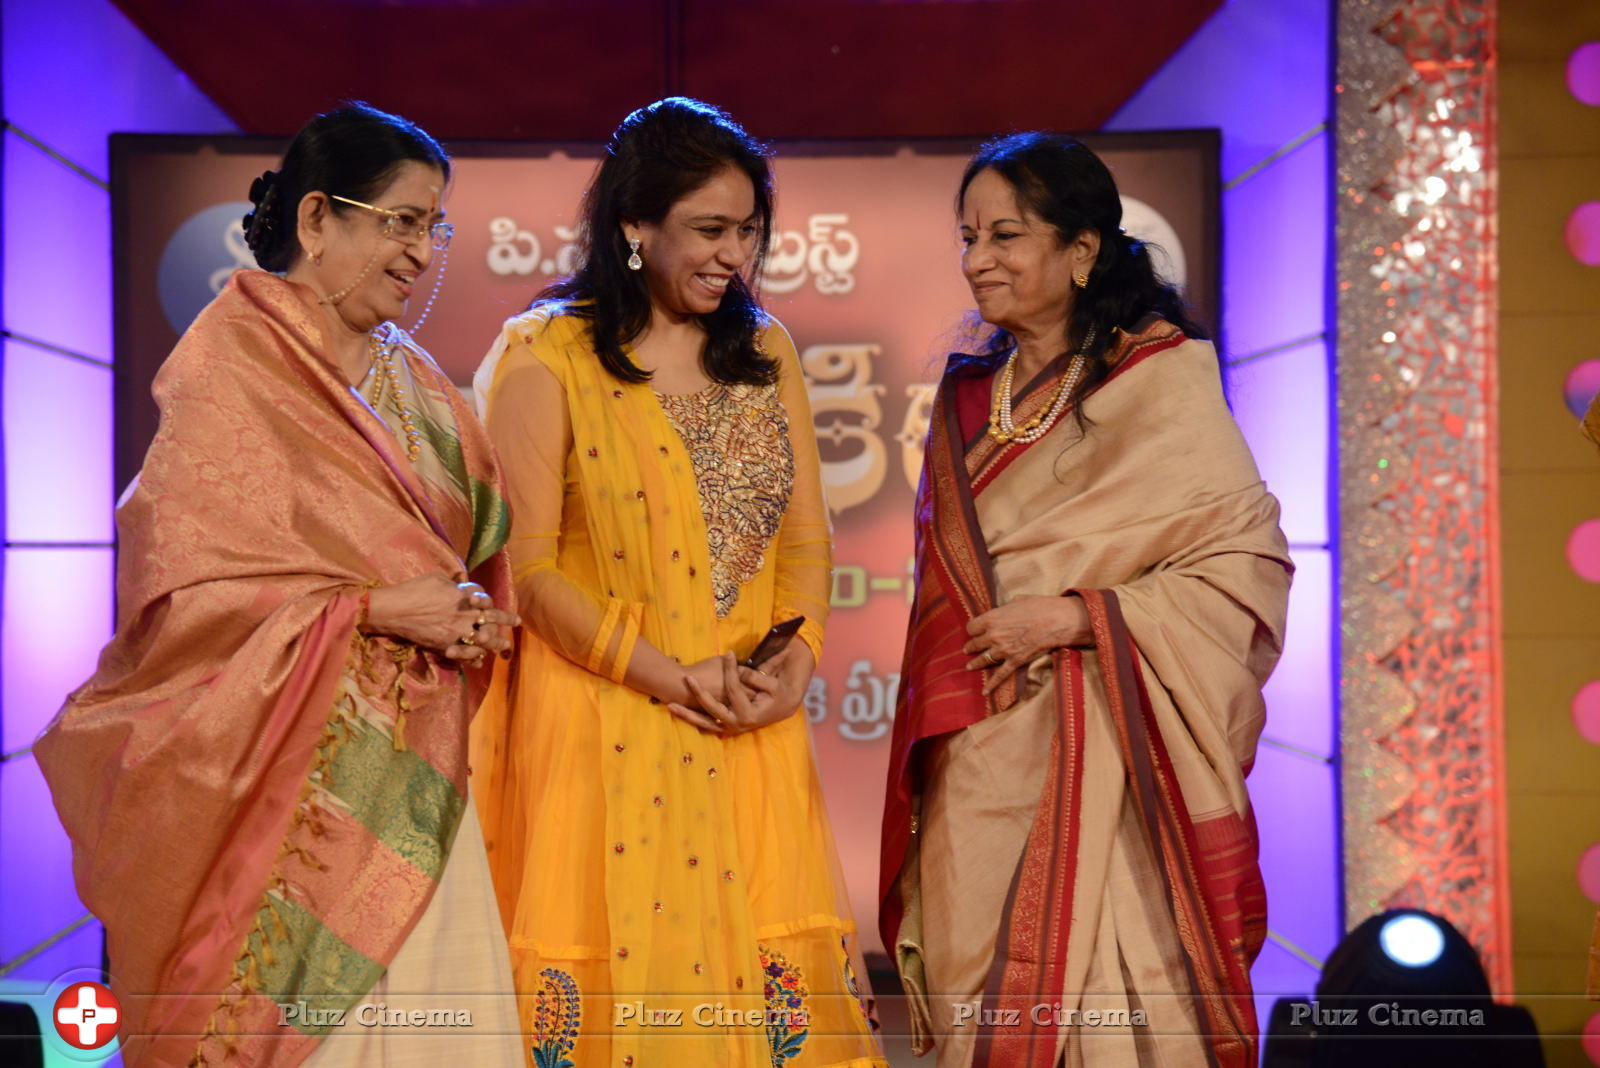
1404	989
1412	939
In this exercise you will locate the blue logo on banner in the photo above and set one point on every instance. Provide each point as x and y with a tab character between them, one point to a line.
198	260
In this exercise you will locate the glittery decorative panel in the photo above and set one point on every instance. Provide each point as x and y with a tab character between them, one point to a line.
1422	772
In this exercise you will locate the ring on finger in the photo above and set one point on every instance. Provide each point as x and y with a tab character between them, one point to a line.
470	639
991	658
481	620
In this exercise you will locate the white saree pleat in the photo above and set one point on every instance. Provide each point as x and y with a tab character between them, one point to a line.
454	961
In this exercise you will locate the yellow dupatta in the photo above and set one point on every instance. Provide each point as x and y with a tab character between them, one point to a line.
646	870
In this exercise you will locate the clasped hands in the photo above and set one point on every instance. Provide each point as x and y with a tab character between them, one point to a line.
727	699
449	614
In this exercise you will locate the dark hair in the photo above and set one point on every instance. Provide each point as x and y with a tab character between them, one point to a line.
352	151
1059	181
659	155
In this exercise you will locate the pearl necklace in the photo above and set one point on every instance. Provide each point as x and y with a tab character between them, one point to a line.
1001	426
383	358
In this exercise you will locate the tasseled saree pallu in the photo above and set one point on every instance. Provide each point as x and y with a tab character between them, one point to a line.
260	799
1077	850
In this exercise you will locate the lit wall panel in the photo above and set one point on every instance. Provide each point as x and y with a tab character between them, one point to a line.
1296	805
1300	692
58	443
1275	252
36	892
57	252
58	605
1281	403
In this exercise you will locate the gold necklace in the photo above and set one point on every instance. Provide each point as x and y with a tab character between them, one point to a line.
383	358
1001	426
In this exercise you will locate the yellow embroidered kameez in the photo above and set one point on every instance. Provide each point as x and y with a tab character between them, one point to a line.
671	897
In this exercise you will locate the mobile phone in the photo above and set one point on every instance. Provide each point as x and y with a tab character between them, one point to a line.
774	642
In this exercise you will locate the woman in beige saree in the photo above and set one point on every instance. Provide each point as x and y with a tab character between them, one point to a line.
265	781
1069	857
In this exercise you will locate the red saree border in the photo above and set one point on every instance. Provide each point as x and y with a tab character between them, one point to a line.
1030	957
1217	903
1213	907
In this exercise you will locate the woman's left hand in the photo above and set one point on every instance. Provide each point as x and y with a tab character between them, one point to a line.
1014	635
779	685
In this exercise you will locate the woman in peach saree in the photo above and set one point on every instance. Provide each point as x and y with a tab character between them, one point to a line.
265	781
655	825
1069	858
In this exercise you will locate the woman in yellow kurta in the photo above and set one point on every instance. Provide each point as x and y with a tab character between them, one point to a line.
654	821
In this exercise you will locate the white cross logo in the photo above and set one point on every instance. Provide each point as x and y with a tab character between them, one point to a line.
94	1009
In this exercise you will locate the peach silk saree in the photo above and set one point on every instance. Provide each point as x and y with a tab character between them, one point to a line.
1069	865
260	799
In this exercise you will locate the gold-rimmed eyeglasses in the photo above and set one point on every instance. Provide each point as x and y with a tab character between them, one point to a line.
405	227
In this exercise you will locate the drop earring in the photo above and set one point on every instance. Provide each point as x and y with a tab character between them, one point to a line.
634	262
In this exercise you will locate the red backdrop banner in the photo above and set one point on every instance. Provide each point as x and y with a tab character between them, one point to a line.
864	272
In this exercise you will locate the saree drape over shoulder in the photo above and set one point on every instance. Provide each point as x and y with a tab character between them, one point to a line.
1069	868
670	895
261	800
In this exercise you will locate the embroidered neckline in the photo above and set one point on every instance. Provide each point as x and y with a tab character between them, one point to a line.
737	437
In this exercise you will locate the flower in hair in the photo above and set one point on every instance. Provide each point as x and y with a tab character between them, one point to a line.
258	224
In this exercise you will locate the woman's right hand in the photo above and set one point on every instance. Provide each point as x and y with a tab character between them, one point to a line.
736	712
439	612
710	677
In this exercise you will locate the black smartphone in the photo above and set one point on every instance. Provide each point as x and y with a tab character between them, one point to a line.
774	642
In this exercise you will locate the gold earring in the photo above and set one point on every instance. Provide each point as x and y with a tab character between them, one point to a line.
1080	279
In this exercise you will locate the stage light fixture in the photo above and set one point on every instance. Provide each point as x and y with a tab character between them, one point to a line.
1404	989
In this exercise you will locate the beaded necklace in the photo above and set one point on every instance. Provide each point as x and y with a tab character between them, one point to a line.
388	372
1001	426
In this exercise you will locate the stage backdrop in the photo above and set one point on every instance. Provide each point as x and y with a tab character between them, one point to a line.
864	272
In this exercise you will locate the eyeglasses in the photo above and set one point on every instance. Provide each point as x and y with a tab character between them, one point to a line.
405	227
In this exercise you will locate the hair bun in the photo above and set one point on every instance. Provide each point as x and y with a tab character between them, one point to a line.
258	224
263	186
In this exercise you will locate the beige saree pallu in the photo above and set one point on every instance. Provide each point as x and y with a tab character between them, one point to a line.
1069	867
